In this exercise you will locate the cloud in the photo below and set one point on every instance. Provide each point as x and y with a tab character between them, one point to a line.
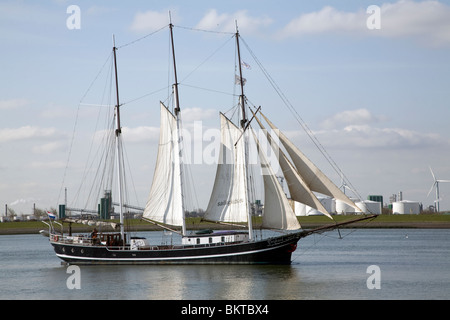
226	22
361	129
426	21
366	136
26	132
140	134
350	117
326	20
13	103
149	21
197	114
48	164
48	148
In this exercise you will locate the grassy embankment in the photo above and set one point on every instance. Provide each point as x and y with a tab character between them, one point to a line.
382	221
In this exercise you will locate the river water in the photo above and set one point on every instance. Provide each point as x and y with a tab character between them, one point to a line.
386	264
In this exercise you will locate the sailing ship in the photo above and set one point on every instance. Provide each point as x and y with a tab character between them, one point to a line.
229	201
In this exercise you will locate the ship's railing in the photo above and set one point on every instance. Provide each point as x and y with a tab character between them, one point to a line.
77	239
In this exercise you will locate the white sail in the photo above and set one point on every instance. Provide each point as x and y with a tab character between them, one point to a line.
298	189
165	200
278	213
229	197
314	178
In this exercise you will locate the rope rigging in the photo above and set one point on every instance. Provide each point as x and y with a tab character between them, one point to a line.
102	156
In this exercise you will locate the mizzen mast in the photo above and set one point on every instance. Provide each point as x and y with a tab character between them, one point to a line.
243	125
241	81
119	147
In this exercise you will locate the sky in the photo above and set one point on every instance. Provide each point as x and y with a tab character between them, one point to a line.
369	78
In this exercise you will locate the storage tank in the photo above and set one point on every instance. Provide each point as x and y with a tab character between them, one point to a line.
367	206
328	203
406	207
300	208
343	208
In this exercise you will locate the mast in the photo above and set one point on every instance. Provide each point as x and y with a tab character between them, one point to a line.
177	115
243	125
118	147
241	97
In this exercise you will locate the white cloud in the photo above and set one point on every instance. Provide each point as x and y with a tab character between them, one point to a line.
140	134
48	148
197	114
366	136
48	164
426	21
149	21
361	129
326	20
13	103
350	117
226	22
26	132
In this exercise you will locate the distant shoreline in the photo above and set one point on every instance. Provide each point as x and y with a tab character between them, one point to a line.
432	221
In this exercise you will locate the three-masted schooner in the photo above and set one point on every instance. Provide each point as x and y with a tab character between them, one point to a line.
229	201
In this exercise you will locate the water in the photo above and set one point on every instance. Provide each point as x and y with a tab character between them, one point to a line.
413	264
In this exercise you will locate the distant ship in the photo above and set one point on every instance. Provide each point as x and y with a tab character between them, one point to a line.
229	202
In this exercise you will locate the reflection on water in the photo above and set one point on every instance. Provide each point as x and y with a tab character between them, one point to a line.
415	266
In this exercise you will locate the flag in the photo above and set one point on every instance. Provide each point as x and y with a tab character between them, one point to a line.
245	65
51	215
237	80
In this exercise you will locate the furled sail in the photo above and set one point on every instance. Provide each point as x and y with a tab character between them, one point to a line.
298	189
278	213
314	178
164	202
229	197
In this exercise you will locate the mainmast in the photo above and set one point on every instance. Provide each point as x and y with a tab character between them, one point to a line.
118	147
177	115
243	125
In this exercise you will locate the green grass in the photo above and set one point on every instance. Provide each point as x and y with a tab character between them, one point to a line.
388	218
35	226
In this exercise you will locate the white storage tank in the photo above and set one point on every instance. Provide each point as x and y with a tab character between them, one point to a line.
367	206
300	208
328	203
343	208
406	207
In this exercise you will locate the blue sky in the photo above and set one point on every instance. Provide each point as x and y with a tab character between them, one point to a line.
377	100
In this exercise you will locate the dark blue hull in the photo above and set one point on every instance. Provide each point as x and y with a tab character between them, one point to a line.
277	250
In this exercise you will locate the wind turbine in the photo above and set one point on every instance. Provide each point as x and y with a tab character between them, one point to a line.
436	183
344	185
